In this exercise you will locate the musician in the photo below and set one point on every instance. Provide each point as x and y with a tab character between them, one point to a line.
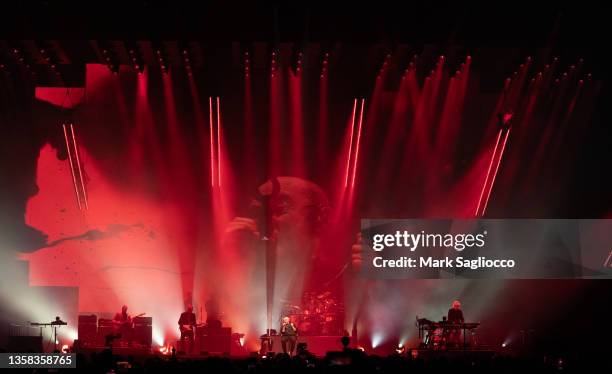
187	323
288	335
123	324
455	317
123	317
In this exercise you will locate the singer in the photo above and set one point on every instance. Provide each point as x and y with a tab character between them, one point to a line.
288	336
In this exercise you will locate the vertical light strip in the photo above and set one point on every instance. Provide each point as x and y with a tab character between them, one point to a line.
488	172
212	147
350	150
501	154
76	152
357	144
76	190
218	142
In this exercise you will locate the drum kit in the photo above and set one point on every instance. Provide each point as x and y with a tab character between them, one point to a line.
320	314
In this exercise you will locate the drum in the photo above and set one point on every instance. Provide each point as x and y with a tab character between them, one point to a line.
438	338
331	325
310	325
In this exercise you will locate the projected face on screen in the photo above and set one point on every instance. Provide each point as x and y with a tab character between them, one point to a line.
298	208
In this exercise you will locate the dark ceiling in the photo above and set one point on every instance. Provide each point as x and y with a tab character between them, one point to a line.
49	39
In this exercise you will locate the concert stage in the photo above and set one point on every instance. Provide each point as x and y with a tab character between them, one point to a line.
183	183
316	345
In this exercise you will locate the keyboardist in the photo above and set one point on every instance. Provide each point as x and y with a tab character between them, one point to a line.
455	317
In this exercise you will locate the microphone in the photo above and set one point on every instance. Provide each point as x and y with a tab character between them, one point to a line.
264	218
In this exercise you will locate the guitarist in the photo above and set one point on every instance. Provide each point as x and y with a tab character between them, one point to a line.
124	324
187	323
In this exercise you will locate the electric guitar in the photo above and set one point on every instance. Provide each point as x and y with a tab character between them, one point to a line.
129	322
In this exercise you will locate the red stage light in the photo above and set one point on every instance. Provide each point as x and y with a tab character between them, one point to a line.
501	154
488	171
212	146
357	144
350	150
219	141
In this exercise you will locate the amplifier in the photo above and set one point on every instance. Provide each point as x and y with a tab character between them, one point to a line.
103	331
216	343
87	333
88	319
105	322
143	334
147	321
201	331
215	339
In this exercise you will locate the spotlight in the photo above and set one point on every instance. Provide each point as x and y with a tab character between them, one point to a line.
376	340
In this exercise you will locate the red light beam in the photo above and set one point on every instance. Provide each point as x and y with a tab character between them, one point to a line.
350	150
488	172
218	142
212	143
357	144
501	154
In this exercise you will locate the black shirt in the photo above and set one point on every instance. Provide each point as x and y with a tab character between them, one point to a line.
455	316
187	318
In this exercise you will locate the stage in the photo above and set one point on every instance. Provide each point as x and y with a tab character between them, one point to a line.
237	175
